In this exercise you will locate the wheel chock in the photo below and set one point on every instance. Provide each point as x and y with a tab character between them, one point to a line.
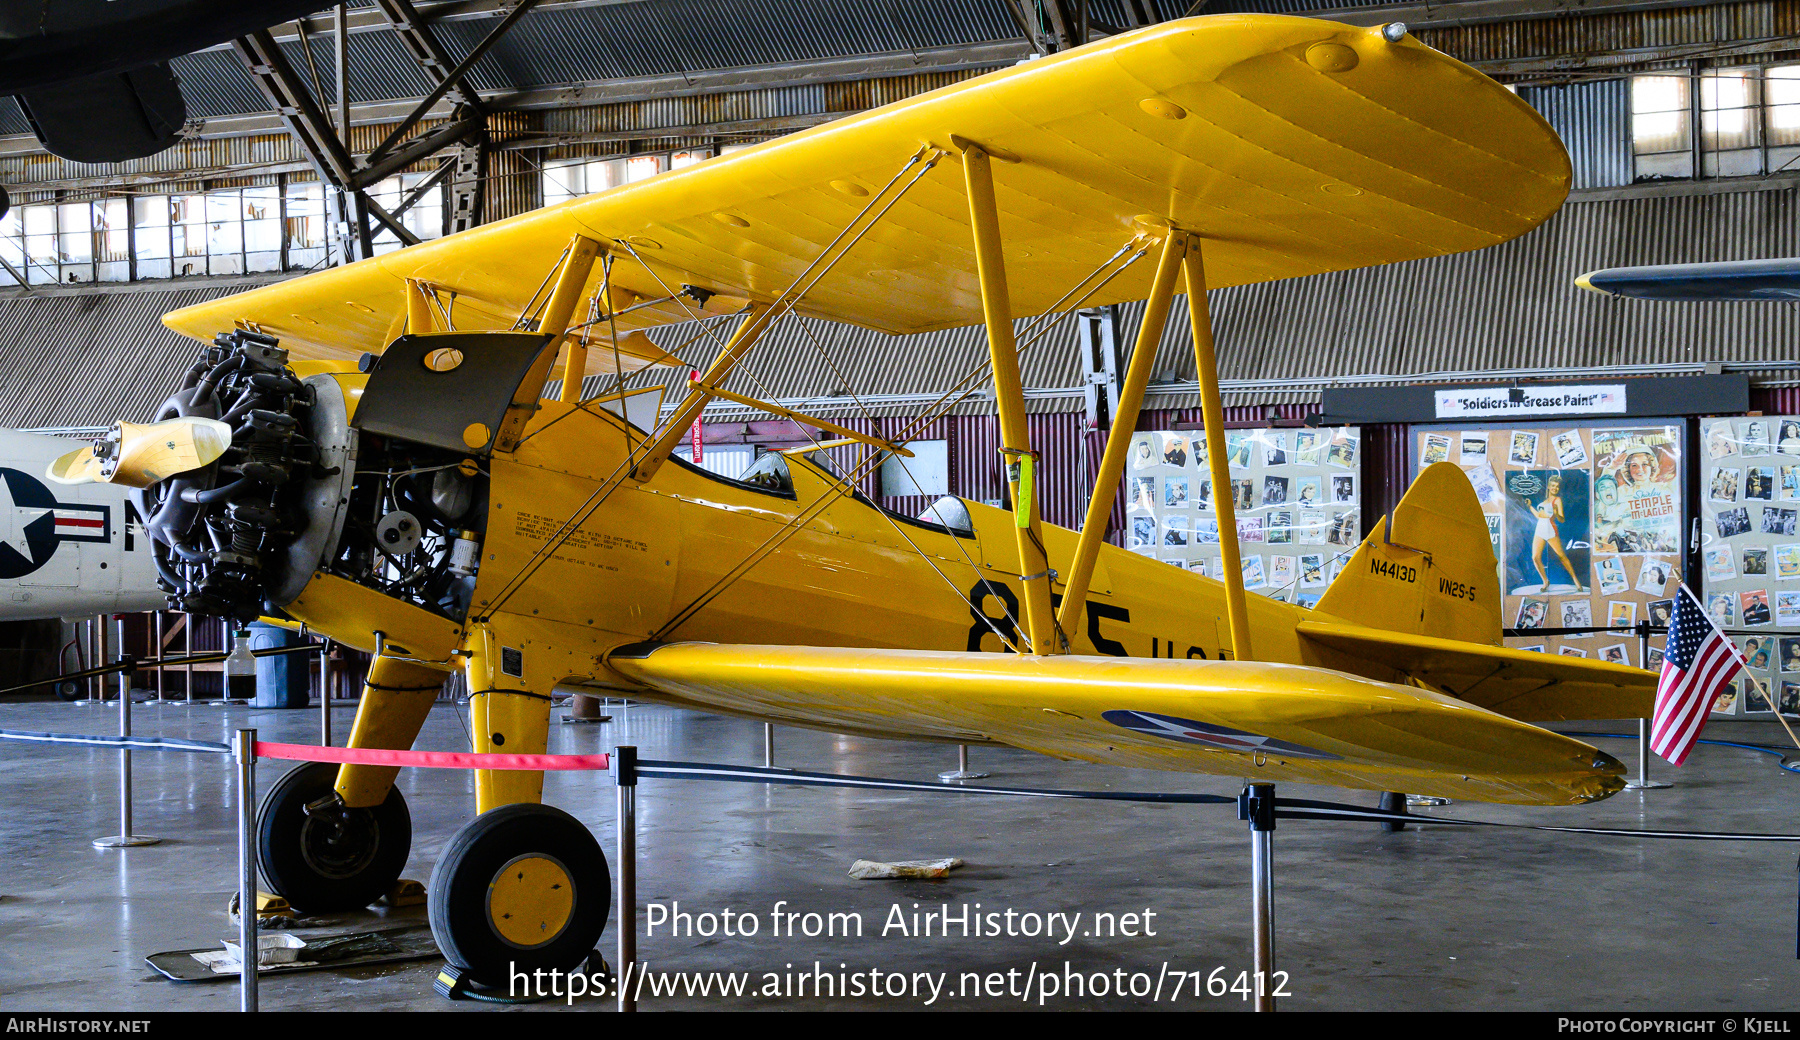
404	892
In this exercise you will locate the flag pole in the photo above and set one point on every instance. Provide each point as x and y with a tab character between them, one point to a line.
1773	703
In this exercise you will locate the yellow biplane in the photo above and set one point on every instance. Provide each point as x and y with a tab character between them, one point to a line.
427	505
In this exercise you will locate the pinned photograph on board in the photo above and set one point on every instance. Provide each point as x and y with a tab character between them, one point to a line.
1733	522
1204	499
1721	563
1621	613
1726	702
1571	651
1175	492
1720	441
1175	529
1281	528
1312	571
1722	608
1787	609
1206	530
1143	451
1546	531
1253	572
1532	613
1617	653
1308	491
1653	576
1790	697
1312	527
1487	489
1243	495
1250	528
1143	531
1759	652
1787	439
1275	491
1754	561
1174	450
1281	571
1274	448
1610	573
1570	452
1779	520
1756	438
1524	448
1306	447
1654	659
1637	491
1577	613
1660	611
1343	489
1754	699
1237	450
1790	654
1342	449
1723	485
1759	483
1787	486
1474	449
1143	493
1787	562
1753	607
1343	529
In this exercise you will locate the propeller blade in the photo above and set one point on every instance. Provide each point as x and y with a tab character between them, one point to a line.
140	454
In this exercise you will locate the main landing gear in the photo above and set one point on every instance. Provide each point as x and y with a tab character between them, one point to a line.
519	888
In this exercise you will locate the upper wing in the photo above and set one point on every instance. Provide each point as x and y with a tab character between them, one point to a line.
1521	684
1269	721
1293	145
1739	280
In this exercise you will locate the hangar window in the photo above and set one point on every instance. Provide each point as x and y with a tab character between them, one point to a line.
926	473
1749	122
573	178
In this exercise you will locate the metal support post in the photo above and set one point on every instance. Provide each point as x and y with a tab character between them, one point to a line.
768	745
961	772
325	693
1643	781
244	751
1256	805
124	839
625	878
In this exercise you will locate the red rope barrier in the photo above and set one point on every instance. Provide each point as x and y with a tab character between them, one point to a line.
429	759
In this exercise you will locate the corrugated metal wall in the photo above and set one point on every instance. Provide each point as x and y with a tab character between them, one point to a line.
1594	122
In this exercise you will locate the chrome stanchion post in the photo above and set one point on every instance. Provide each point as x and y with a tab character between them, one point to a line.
961	772
625	918
325	692
768	745
1643	781
1256	805
124	839
244	751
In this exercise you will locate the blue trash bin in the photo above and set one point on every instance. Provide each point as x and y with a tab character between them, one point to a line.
281	681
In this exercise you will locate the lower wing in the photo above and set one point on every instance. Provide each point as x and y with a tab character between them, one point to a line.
1265	721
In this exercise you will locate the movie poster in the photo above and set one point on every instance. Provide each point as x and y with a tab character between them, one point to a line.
1586	526
1295	493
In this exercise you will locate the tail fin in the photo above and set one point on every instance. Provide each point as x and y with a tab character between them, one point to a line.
1433	574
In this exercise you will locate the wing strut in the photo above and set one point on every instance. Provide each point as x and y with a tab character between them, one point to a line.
1009	396
1213	414
559	311
1124	424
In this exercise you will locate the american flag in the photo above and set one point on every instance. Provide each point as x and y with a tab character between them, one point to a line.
1698	662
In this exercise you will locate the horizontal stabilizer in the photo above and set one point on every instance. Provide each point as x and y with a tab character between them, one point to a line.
1738	280
1267	721
1521	684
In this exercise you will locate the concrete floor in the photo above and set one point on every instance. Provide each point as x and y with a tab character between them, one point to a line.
1434	919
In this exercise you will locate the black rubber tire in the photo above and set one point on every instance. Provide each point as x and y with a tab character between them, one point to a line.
458	899
301	862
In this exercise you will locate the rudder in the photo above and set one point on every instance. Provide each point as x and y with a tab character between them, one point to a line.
1434	574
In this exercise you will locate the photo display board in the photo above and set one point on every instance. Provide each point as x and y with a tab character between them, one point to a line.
1750	550
1295	494
1585	523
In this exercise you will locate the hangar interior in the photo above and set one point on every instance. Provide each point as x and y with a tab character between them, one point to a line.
360	131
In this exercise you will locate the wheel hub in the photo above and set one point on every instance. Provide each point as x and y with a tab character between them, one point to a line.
339	844
530	900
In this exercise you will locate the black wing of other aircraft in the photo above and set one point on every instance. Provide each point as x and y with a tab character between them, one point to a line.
1737	280
93	75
